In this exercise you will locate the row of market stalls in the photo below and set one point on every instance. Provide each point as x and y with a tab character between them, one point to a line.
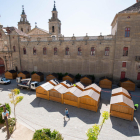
87	97
104	82
67	93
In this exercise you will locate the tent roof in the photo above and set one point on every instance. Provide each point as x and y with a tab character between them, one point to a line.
94	86
39	73
60	88
47	86
102	78
94	95
70	75
89	77
25	72
120	99
74	90
67	83
126	79
55	81
12	71
120	89
81	85
54	74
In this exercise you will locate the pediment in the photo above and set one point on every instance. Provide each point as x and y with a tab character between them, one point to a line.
38	31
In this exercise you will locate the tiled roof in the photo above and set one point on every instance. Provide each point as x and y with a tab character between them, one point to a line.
17	31
133	8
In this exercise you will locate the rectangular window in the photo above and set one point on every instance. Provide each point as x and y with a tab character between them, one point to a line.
107	51
125	51
127	32
123	64
138	77
122	75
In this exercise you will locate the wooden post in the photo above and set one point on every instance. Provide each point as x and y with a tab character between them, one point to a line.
78	102
62	99
48	94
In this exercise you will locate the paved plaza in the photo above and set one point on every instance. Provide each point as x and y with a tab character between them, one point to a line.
36	113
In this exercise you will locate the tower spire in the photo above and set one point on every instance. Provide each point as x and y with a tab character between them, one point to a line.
54	8
23	13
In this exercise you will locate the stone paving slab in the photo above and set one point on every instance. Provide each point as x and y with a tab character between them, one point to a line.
37	113
22	131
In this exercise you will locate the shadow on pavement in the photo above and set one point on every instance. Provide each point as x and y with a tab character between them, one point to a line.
128	128
87	116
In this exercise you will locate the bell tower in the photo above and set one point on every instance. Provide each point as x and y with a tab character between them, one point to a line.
24	25
55	23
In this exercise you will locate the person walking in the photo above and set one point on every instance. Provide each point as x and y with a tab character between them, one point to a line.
66	114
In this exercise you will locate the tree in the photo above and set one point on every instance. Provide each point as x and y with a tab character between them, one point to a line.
94	132
15	99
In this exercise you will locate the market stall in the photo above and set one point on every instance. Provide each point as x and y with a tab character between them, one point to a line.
11	74
51	76
122	107
105	82
39	77
89	99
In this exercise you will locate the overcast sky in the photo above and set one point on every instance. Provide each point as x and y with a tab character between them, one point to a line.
77	16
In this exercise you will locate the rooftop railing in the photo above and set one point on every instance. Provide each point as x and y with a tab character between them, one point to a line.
82	38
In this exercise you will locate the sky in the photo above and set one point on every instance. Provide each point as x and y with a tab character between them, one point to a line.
77	17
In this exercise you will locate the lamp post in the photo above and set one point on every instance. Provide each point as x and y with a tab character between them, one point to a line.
5	118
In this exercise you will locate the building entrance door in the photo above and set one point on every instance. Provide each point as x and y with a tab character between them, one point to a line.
2	67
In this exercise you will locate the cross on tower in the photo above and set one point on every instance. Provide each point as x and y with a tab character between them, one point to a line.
35	24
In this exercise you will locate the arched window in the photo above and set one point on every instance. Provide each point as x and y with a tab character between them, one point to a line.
24	50
22	29
14	48
127	32
53	38
79	51
125	51
92	51
44	51
107	51
34	51
55	51
53	29
67	51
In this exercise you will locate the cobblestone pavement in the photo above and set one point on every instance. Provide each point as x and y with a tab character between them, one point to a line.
37	113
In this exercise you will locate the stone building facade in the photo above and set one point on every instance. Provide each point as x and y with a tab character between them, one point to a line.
116	55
